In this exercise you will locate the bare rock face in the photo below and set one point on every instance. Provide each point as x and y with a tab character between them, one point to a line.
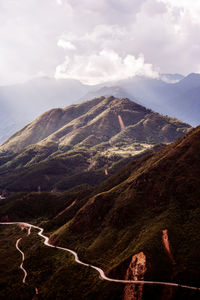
166	244
168	291
135	271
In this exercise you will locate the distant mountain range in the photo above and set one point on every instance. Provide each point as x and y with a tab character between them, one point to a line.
178	99
91	136
170	95
171	78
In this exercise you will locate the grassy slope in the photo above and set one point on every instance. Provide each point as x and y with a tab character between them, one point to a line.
83	139
61	171
53	272
127	216
161	192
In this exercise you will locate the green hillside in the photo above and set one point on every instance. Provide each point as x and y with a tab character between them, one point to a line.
80	144
123	216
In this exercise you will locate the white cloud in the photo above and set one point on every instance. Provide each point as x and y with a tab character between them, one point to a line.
105	66
36	36
66	44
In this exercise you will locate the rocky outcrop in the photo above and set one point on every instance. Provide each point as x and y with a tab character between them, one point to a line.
168	291
166	244
135	271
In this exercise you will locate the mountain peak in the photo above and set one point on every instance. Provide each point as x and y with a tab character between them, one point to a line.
193	78
101	117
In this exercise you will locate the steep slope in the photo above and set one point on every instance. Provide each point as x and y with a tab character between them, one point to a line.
81	144
44	125
158	179
102	121
132	225
99	118
161	192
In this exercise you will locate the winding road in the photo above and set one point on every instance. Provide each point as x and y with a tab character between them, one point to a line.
21	266
100	271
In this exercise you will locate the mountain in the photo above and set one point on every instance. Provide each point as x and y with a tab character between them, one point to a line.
190	81
170	94
142	222
87	138
98	121
127	217
129	213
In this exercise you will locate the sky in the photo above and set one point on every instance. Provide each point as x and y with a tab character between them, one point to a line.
98	41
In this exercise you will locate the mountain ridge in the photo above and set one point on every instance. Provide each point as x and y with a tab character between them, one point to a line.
75	121
161	191
21	103
82	144
110	224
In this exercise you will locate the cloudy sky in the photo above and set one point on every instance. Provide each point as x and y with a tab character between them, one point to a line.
97	41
